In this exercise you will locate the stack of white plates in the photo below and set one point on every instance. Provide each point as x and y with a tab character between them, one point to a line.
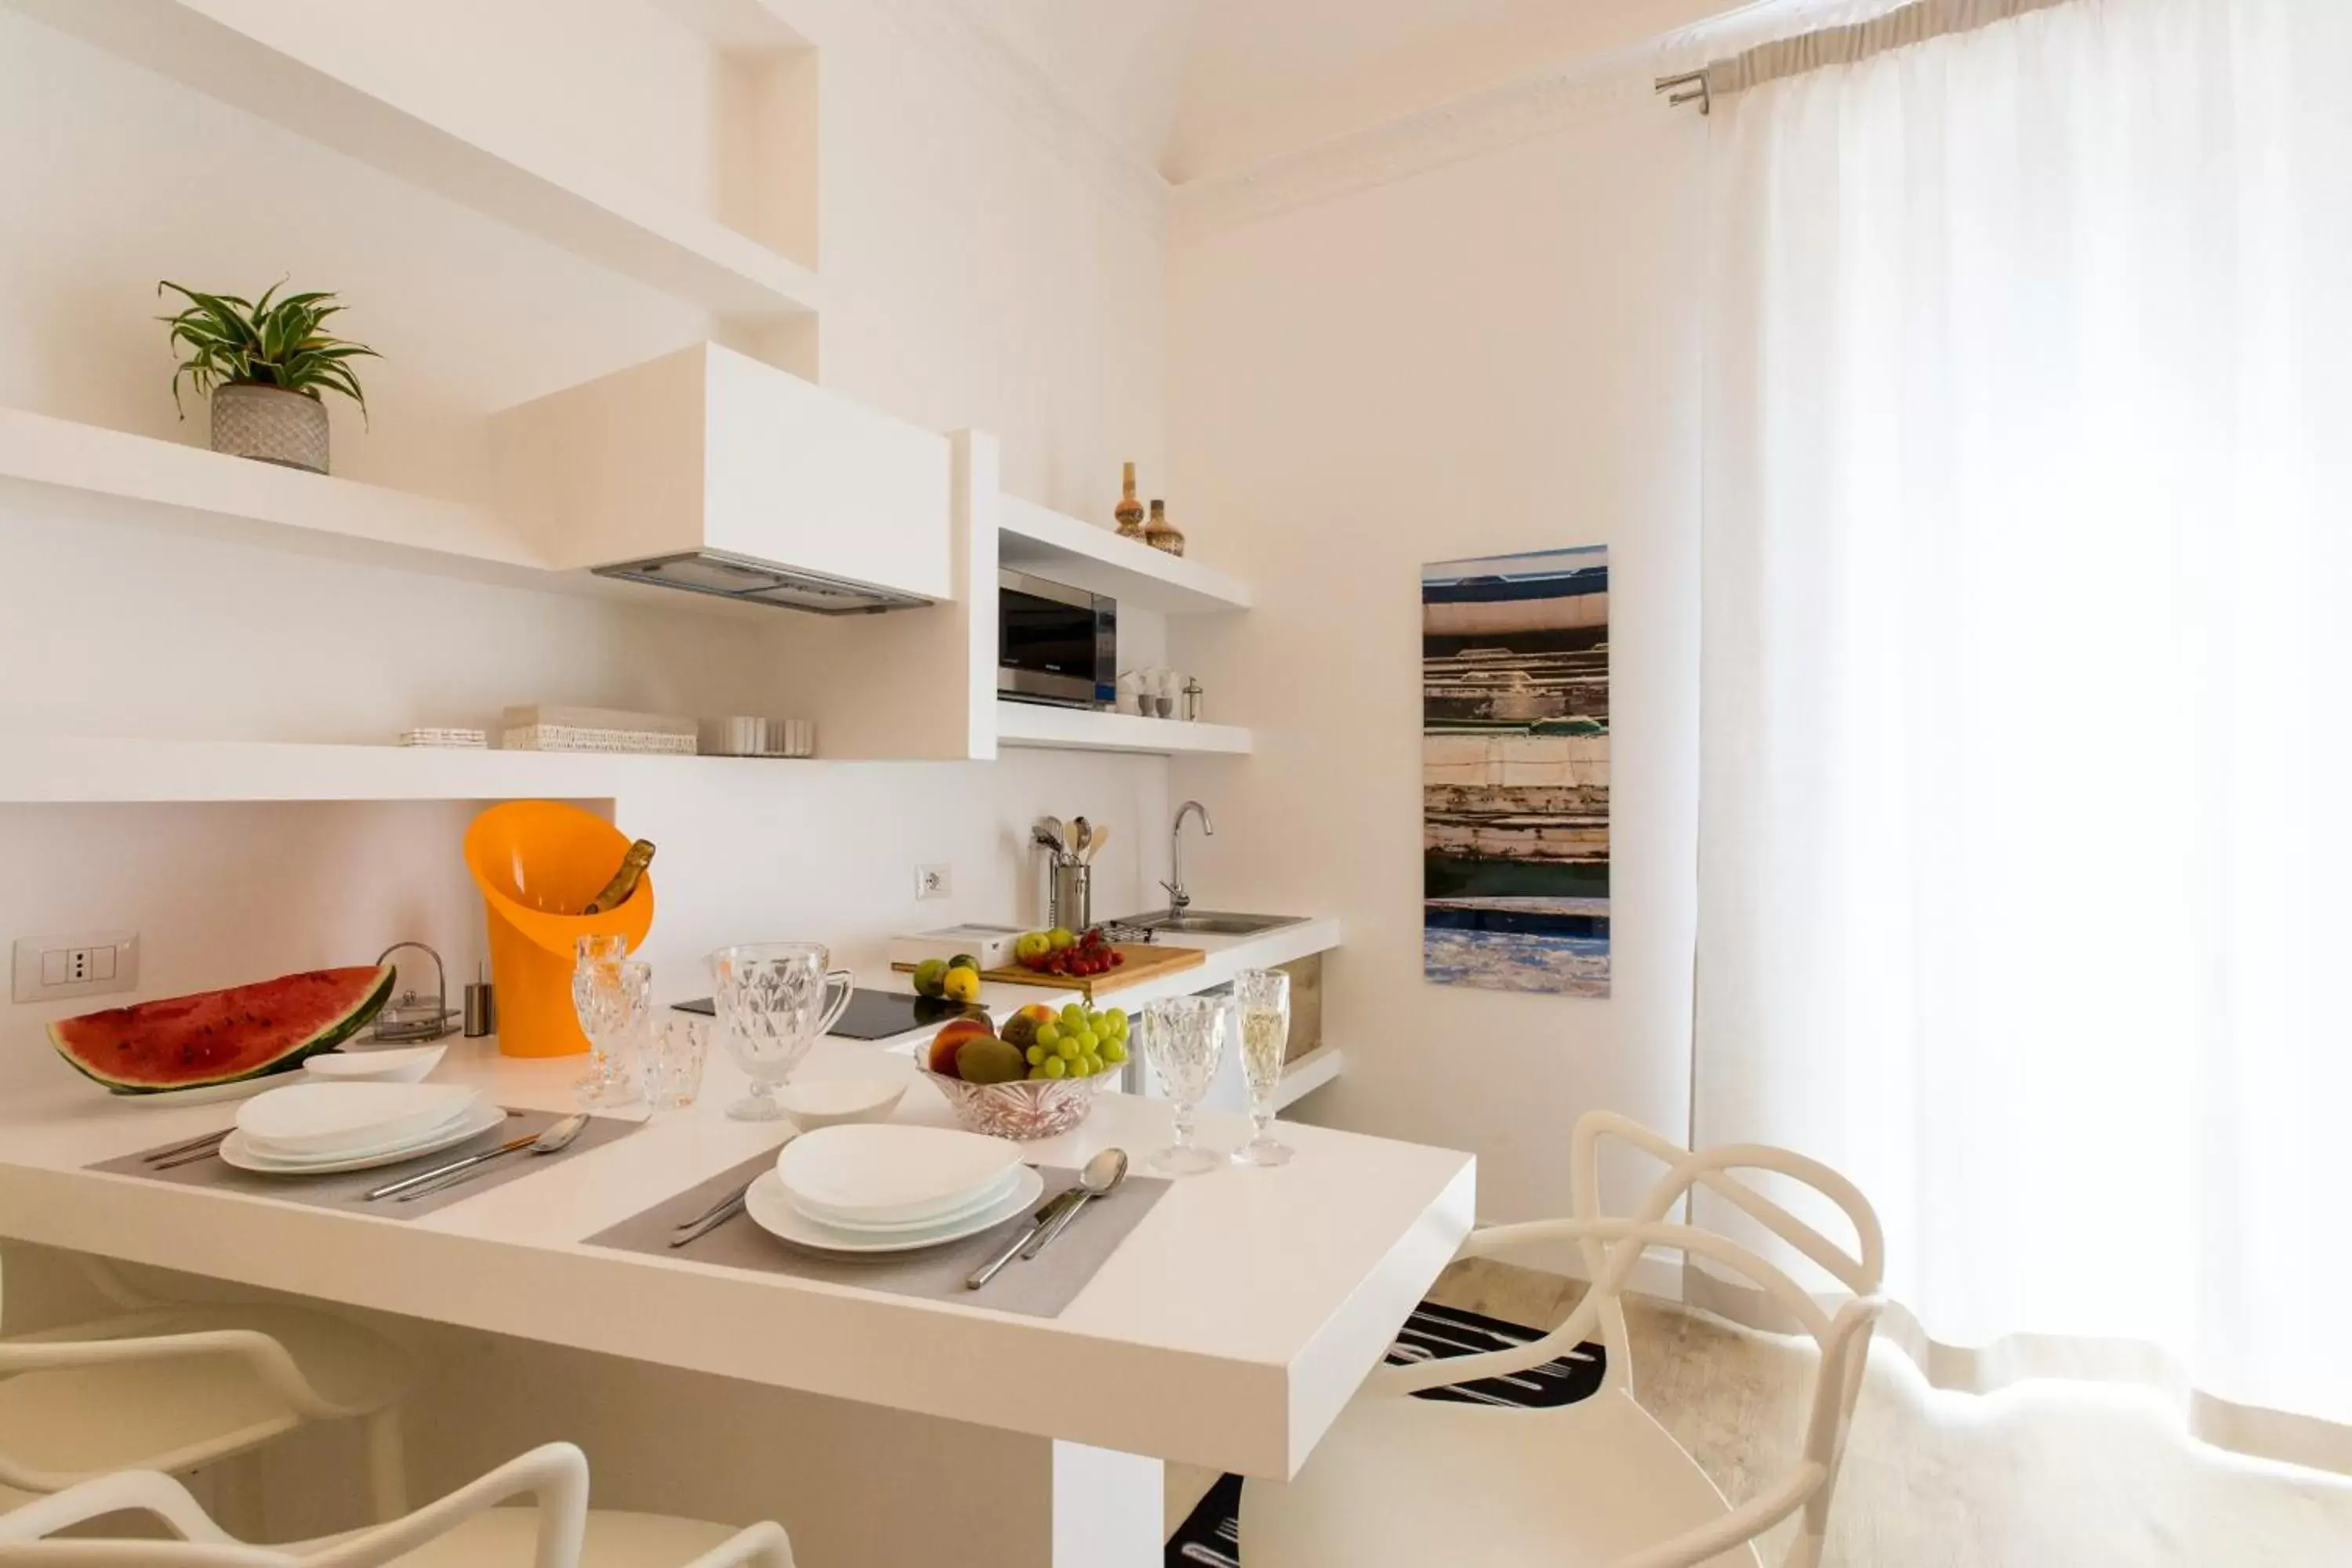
316	1128
888	1187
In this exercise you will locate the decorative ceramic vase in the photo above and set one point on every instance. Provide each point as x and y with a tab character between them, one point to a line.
1130	512
1161	534
271	424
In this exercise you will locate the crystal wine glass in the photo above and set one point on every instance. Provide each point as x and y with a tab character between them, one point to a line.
1262	998
776	998
1184	1038
612	994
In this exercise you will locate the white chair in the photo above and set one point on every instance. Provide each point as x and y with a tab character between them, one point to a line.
1414	1481
164	1386
465	1530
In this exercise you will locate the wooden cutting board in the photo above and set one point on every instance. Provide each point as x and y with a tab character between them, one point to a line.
1145	961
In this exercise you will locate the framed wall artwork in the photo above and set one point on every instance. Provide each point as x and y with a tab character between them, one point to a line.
1515	772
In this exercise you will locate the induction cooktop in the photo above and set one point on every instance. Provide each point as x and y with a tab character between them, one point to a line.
874	1015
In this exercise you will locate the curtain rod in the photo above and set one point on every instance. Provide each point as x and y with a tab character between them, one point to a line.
1915	22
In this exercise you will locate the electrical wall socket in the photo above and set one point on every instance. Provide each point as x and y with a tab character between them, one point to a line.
934	881
82	964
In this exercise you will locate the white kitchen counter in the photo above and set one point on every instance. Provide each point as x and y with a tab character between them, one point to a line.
1228	1329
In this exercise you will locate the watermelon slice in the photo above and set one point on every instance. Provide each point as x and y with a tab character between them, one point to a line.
221	1037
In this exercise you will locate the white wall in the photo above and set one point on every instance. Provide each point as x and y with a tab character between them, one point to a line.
991	269
983	279
1495	355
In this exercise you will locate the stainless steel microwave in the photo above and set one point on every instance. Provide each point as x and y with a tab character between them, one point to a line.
1055	644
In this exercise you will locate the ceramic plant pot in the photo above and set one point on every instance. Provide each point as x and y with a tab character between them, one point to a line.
271	424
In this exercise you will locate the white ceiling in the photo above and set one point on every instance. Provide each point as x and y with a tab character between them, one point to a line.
1202	86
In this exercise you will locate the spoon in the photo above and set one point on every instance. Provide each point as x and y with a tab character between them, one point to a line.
1101	1178
1095	837
557	1137
1082	834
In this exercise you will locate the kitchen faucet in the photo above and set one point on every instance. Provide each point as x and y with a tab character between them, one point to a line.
1178	900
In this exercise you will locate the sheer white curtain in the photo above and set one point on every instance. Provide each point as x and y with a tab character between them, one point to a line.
2026	848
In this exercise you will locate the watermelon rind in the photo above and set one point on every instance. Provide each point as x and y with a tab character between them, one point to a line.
326	1038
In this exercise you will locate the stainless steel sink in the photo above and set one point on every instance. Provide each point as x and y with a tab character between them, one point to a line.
1211	923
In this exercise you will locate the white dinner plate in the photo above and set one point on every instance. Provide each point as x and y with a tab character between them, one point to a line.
266	1153
235	1151
772	1212
890	1172
311	1118
987	1197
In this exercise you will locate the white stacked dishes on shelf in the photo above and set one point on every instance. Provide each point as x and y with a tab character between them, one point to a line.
319	1129
889	1187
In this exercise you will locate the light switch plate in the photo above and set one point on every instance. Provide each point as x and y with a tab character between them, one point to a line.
934	881
78	963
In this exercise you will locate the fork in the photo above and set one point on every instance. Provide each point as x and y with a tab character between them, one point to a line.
165	1158
715	1210
712	1218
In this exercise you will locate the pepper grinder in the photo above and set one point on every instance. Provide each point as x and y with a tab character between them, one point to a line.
1192	709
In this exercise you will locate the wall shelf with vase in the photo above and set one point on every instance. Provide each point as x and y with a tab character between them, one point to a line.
1066	550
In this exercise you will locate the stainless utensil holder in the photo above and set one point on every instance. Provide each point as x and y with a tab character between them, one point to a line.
1072	905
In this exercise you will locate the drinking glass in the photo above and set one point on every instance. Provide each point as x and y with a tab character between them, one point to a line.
1184	1038
612	995
674	1061
776	998
1262	997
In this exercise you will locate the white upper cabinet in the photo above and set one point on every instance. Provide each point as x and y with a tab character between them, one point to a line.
707	453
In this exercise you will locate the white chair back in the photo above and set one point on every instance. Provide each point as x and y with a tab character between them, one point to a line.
1612	1246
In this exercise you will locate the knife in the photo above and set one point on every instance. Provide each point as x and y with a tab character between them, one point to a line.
1043	1217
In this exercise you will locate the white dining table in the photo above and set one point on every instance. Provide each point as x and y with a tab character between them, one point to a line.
1226	1330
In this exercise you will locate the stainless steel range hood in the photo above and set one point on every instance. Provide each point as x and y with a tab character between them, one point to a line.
750	582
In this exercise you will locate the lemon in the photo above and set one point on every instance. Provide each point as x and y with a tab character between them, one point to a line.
961	986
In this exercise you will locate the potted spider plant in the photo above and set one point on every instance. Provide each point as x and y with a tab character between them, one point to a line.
264	363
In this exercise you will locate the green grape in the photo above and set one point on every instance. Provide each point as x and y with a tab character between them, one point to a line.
1047	1034
1088	1041
1089	1065
1069	1050
1056	1066
1117	1016
1074	1017
1114	1051
1040	1073
1037	1054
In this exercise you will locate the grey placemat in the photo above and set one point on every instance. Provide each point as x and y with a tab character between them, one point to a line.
1039	1288
346	1191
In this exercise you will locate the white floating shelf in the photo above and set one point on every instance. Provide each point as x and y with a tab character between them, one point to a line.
542	188
1307	1073
1083	729
1031	538
51	769
242	498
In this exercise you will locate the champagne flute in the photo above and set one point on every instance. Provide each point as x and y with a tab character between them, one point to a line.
1262	998
1184	1037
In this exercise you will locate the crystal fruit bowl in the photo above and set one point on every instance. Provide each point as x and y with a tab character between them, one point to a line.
1022	1109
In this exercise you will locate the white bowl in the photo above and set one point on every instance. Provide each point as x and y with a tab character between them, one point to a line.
403	1064
890	1173
831	1101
